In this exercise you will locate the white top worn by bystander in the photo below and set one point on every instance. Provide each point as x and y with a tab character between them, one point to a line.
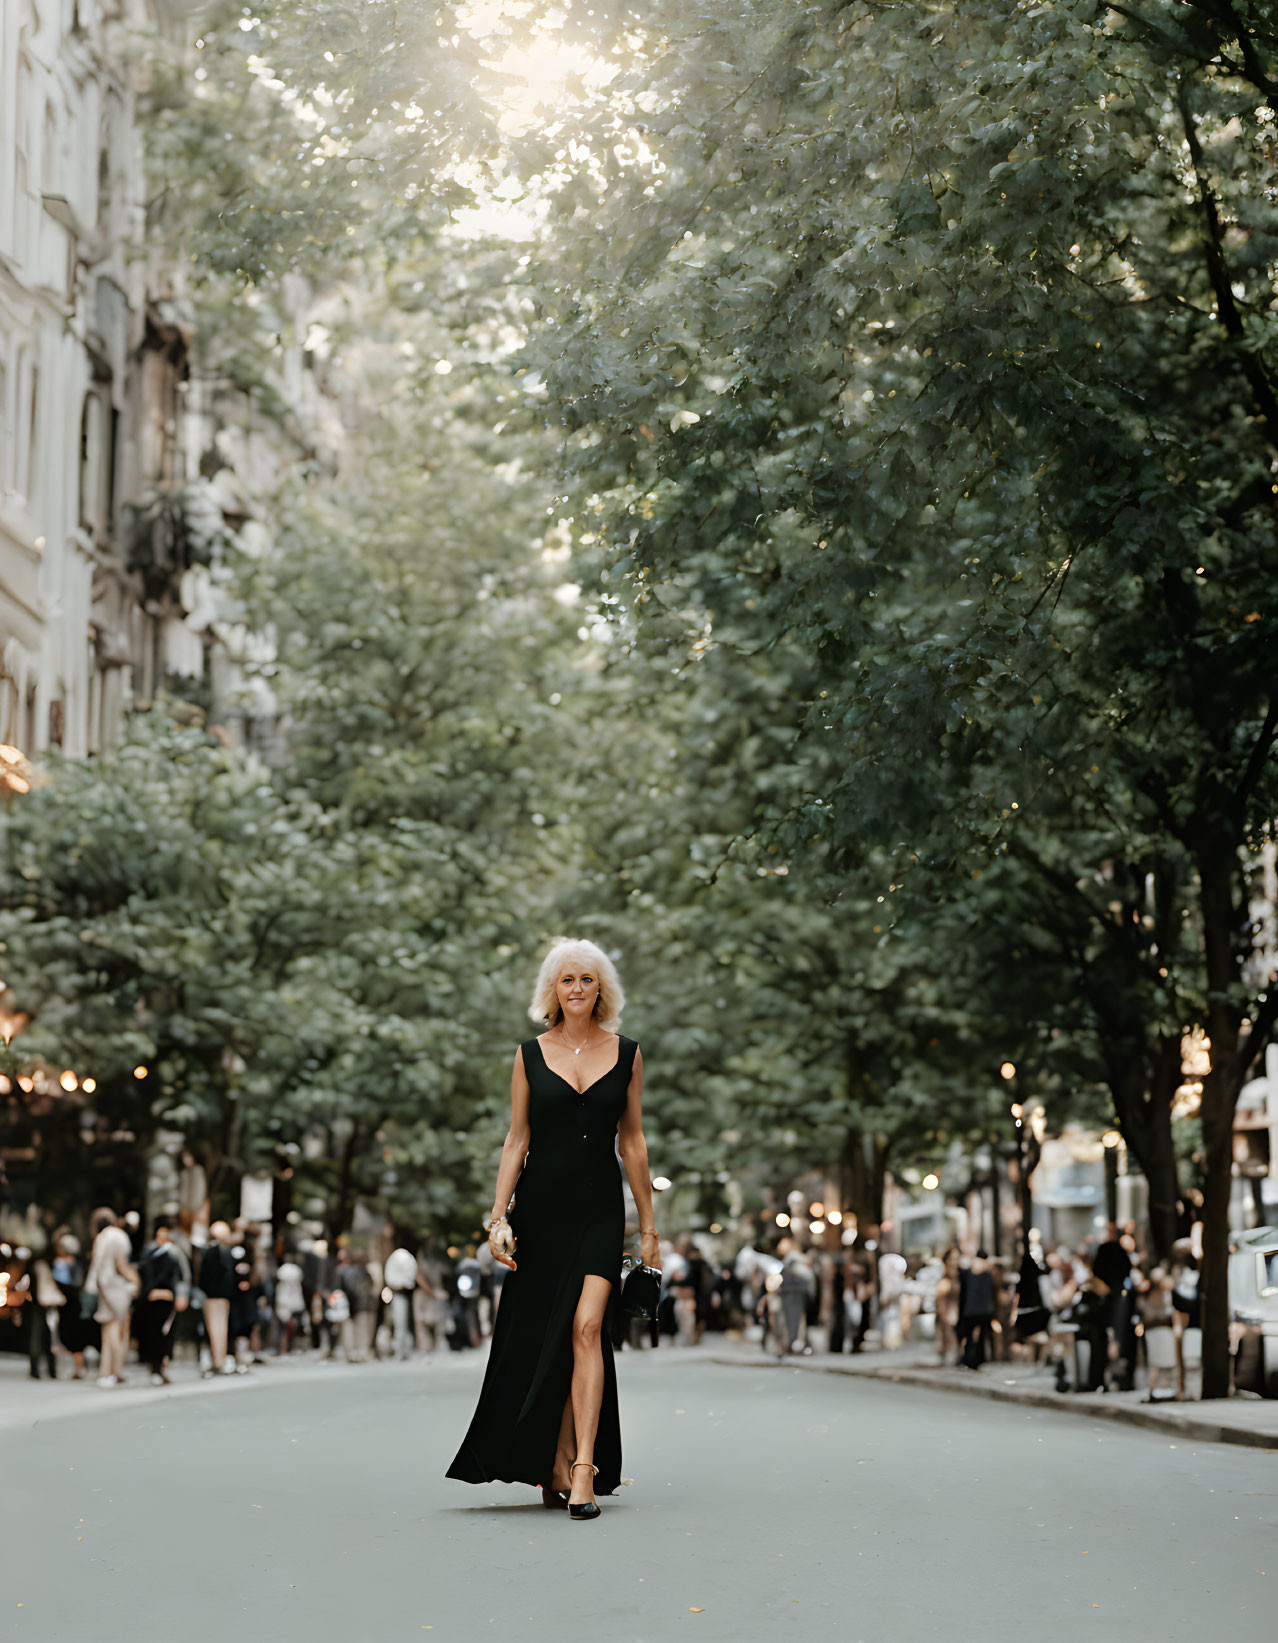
401	1269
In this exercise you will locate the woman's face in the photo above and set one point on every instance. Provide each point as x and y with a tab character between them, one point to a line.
577	991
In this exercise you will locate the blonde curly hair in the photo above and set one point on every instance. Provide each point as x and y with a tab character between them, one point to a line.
545	1000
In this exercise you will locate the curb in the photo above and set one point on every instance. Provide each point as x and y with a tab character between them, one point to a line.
1193	1428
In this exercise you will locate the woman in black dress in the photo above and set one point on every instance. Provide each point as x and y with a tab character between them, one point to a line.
547	1412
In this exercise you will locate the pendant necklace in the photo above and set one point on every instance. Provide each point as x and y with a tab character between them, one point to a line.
576	1048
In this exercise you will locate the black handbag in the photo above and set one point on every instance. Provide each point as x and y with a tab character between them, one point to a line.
640	1289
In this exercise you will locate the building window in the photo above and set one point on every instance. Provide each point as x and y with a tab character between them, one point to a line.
91	463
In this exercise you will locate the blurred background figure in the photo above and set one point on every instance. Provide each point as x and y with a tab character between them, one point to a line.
892	1293
290	1301
947	1308
46	1300
798	1282
242	1320
466	1281
165	1288
1186	1311
218	1281
355	1329
76	1328
114	1280
978	1301
1158	1334
430	1300
401	1280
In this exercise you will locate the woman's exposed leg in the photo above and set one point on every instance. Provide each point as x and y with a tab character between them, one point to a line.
587	1379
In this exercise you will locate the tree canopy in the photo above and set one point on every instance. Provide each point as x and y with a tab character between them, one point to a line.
807	519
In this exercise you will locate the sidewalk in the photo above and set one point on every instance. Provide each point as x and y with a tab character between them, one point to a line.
1251	1421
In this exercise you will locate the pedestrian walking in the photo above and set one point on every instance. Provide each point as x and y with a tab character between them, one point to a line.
978	1301
218	1281
76	1329
114	1281
859	1299
549	1395
1112	1266
319	1280
401	1280
355	1283
797	1285
290	1301
165	1280
430	1302
47	1301
1089	1312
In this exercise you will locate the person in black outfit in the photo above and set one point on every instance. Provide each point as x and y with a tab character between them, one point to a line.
547	1412
165	1288
977	1299
1113	1266
220	1283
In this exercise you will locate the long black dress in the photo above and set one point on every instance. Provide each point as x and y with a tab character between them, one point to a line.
569	1222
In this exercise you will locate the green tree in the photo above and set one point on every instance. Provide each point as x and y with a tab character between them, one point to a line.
941	347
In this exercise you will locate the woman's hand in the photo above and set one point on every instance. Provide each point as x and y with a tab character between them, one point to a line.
650	1249
501	1241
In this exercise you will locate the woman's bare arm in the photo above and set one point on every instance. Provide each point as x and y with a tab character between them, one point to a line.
634	1155
513	1152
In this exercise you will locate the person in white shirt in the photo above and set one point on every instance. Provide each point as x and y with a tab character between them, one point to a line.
114	1281
290	1299
401	1280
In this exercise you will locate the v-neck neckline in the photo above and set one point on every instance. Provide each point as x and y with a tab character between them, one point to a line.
567	1082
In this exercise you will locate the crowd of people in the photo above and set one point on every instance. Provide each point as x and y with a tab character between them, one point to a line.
225	1297
1100	1315
229	1296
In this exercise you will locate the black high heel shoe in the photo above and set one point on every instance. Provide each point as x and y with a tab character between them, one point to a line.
553	1498
586	1509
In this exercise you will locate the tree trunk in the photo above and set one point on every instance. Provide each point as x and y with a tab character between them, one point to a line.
1214	1283
1143	1107
864	1168
344	1204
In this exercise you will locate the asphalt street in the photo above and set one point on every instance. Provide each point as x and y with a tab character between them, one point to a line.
766	1504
